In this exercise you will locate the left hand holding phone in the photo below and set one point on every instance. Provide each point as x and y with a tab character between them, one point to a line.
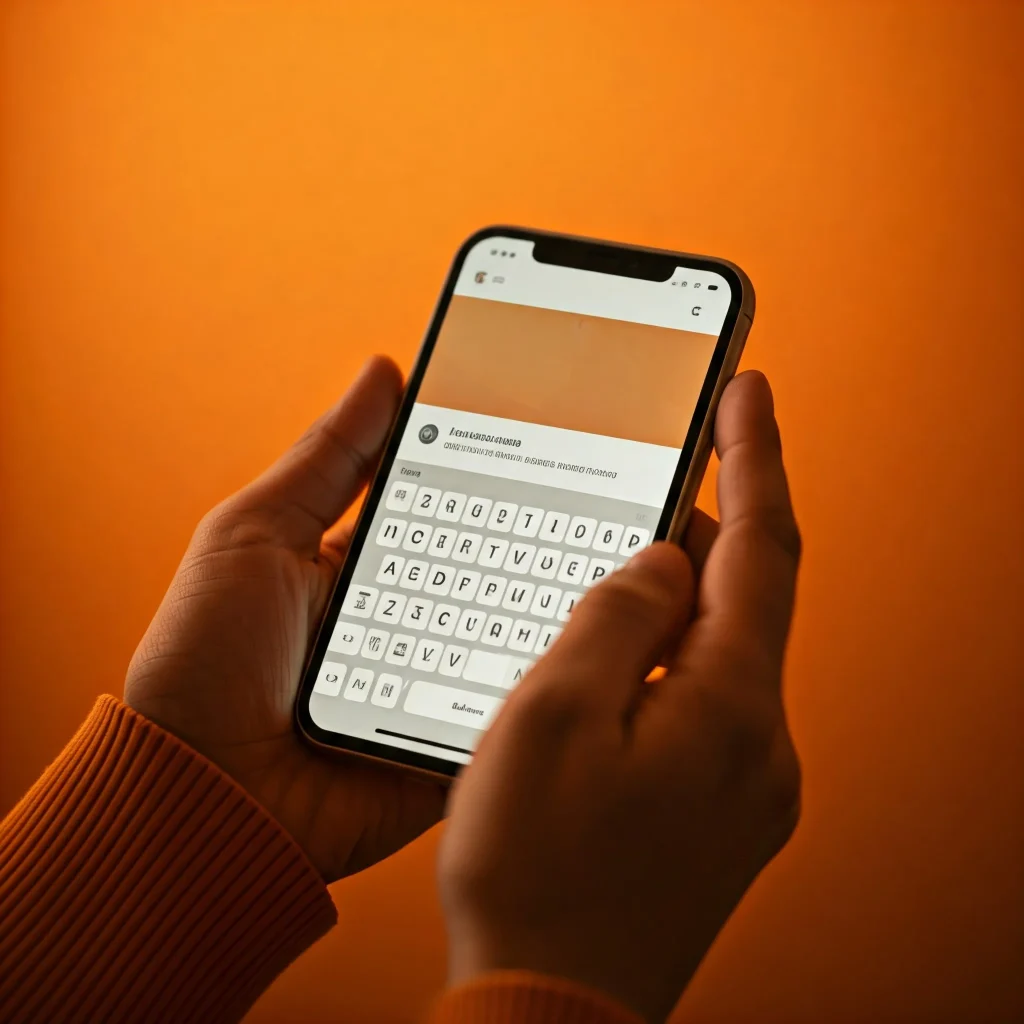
220	664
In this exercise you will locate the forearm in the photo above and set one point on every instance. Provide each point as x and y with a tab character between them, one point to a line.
138	882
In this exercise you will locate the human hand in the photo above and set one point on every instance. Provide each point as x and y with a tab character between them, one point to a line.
607	828
220	664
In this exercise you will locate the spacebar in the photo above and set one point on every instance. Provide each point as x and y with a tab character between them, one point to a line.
447	704
484	667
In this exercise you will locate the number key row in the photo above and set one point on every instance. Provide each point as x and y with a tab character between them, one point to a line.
521	520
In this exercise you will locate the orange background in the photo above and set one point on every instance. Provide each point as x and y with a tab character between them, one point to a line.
564	370
211	212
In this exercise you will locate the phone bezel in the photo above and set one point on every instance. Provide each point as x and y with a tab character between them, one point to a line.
591	251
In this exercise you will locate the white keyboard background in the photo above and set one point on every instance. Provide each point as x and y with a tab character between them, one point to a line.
457	592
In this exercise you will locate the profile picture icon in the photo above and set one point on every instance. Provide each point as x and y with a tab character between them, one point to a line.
428	433
480	276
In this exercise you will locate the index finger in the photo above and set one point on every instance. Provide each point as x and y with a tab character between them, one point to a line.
745	601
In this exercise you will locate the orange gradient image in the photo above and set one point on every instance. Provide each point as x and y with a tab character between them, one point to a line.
212	213
557	369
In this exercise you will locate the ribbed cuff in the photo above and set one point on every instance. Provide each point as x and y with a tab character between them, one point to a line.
138	882
522	997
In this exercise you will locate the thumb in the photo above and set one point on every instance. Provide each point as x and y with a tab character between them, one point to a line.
618	632
308	489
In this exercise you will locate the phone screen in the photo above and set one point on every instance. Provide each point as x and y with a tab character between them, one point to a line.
539	450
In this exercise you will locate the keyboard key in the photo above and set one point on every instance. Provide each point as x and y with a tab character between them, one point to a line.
553	528
517	668
519	558
375	644
388	689
448	704
391	532
400	649
439	580
581	532
492	554
453	661
545	602
426	501
329	679
465	585
359	683
452	504
477	510
467	547
546	564
502	516
417	613
470	624
574	568
492	588
518	596
415	575
566	605
390	571
427	655
496	630
346	638
527	522
390	608
548	635
400	496
443	543
524	635
443	620
417	538
634	539
359	601
599	568
487	668
608	537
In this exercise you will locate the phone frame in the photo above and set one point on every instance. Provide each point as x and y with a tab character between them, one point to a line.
629	261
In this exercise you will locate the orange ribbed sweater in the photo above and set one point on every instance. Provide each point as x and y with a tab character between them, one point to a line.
139	883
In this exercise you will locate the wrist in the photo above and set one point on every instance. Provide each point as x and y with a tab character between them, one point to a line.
528	995
181	881
570	963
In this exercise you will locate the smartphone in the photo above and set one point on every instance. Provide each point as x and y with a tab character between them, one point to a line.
558	419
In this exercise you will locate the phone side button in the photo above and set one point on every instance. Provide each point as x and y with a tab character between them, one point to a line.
448	704
739	340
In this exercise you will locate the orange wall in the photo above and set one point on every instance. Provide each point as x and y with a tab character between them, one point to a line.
211	212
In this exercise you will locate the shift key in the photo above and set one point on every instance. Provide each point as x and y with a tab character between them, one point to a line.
448	704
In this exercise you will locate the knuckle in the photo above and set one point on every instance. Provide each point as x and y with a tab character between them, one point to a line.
778	526
781	527
788	535
781	793
229	526
784	783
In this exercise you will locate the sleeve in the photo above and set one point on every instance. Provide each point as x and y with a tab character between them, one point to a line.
139	883
521	997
